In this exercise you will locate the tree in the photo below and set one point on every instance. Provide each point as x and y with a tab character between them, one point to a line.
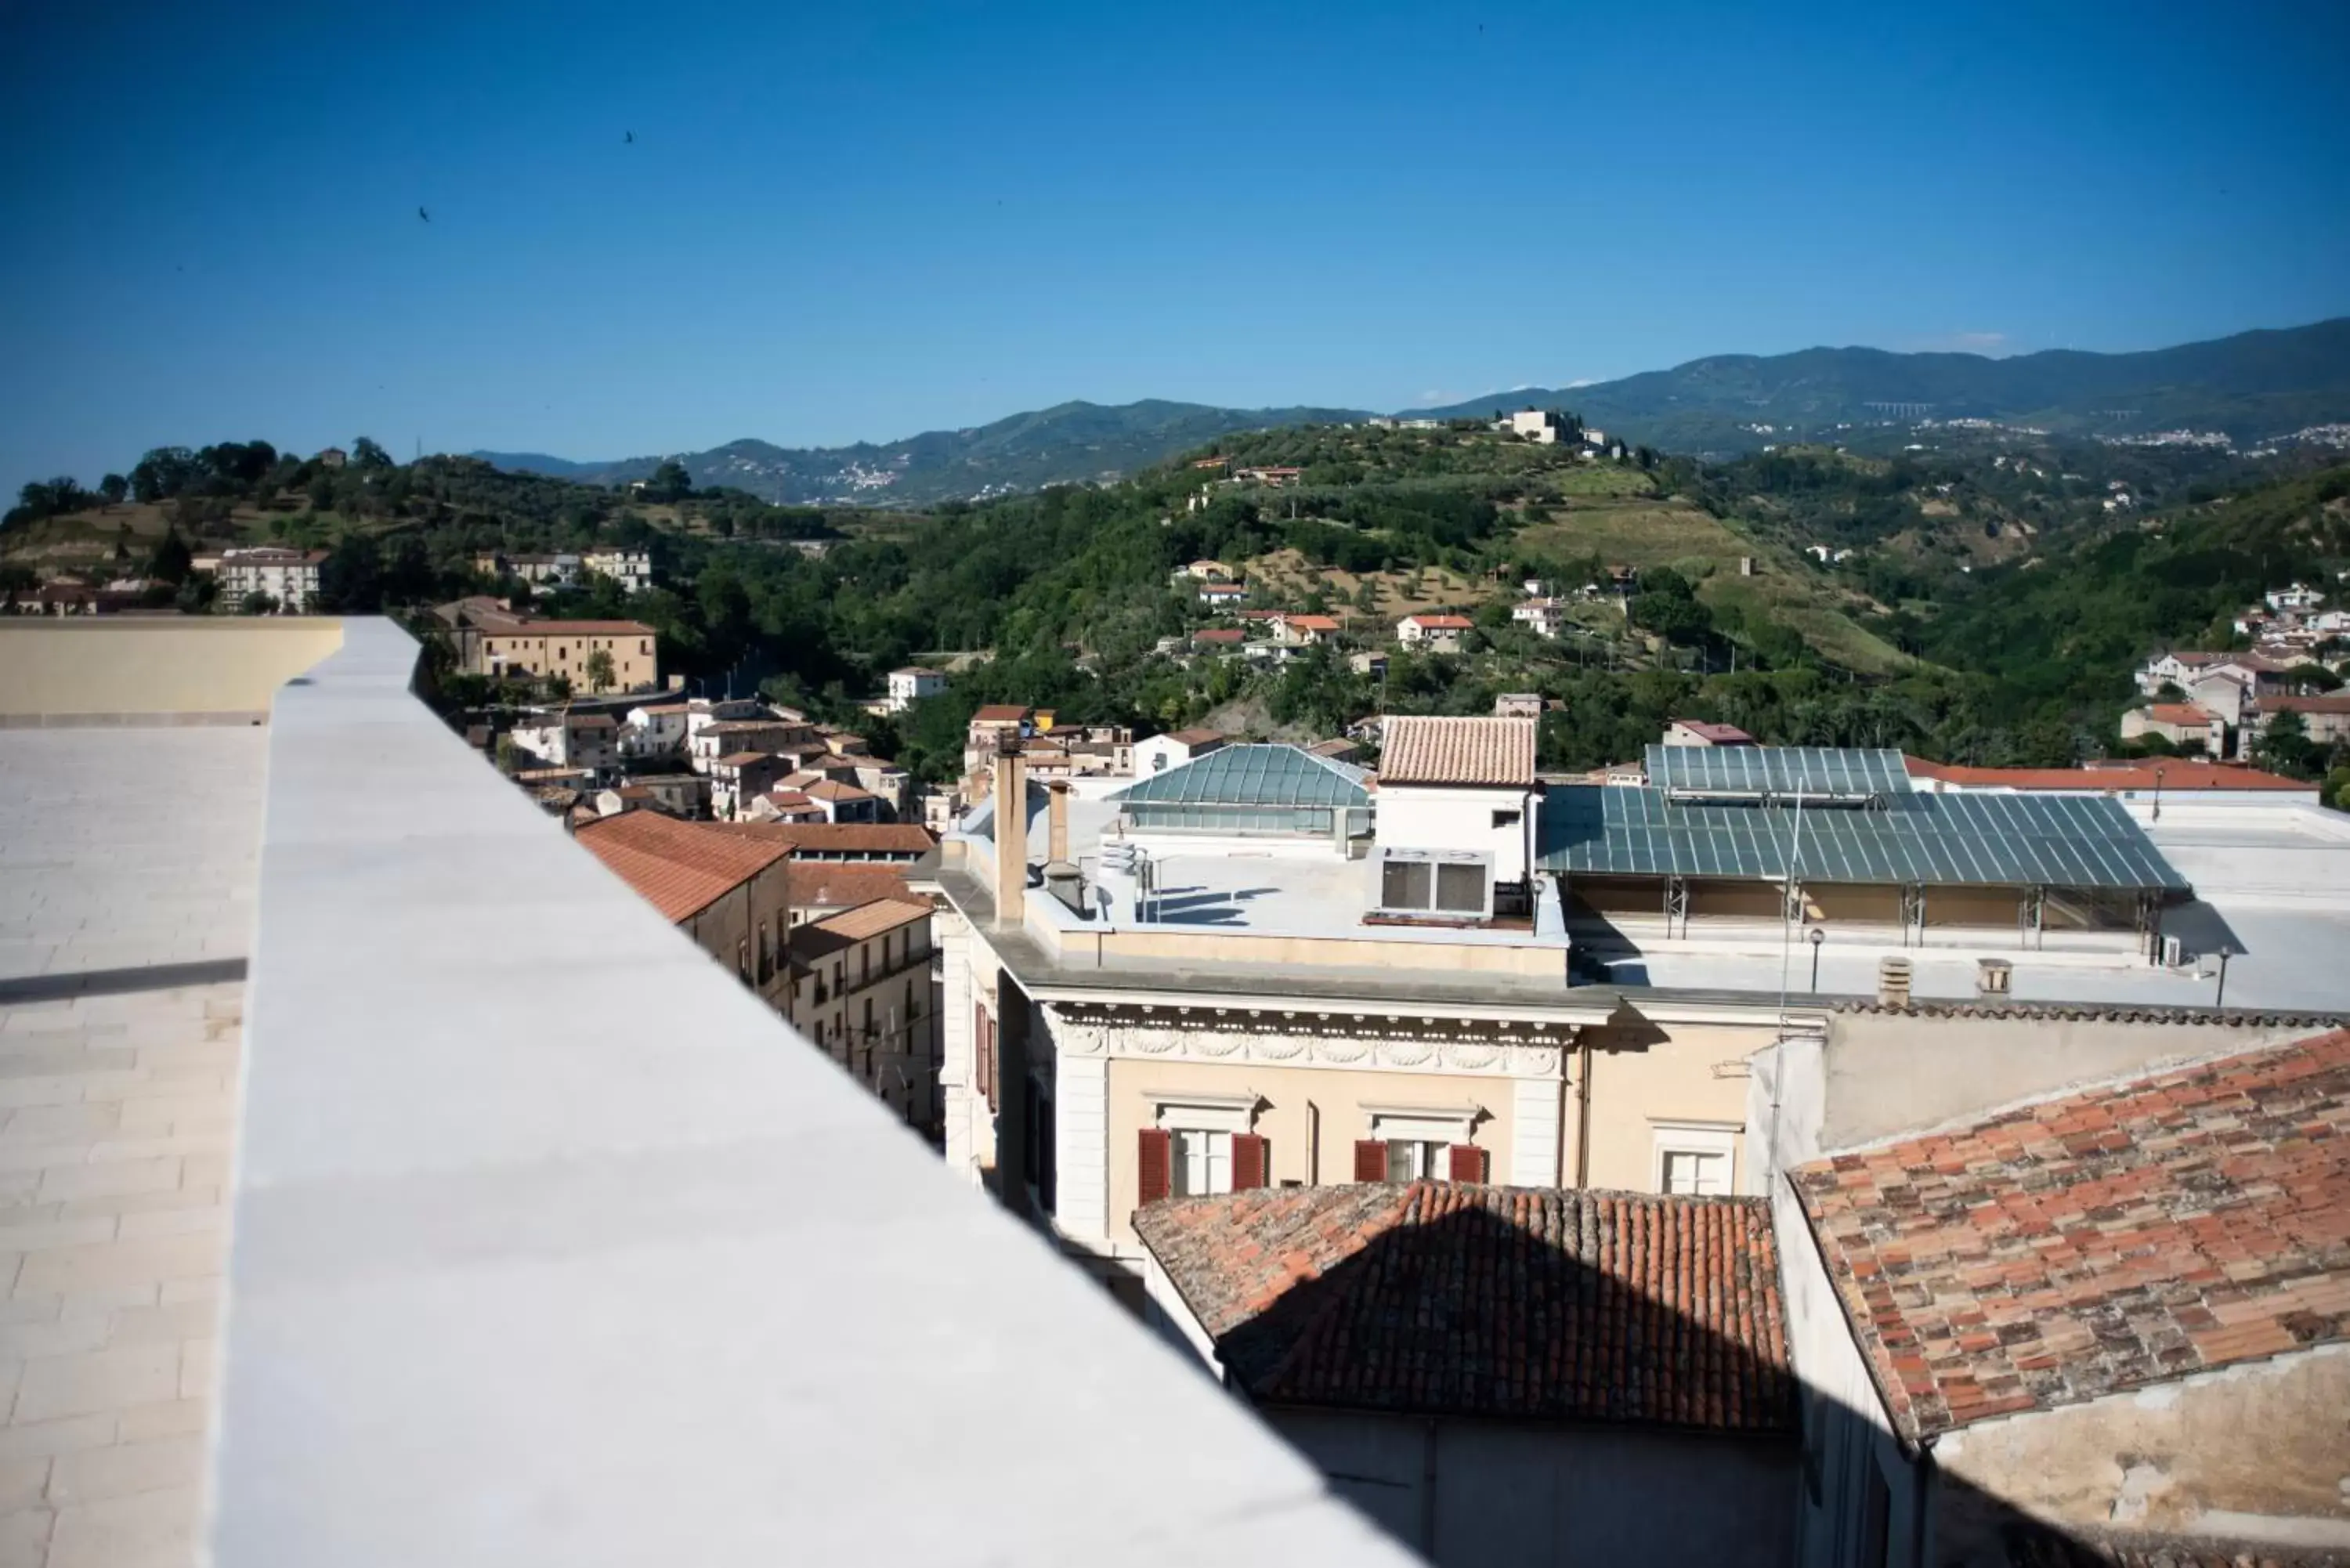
114	488
669	481
601	674
368	456
2285	746
172	560
256	603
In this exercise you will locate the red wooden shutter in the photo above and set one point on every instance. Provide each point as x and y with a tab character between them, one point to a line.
1250	1162
1158	1167
1469	1163
1370	1159
982	1051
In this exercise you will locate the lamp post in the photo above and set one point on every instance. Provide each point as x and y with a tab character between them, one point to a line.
2225	953
2157	794
1817	938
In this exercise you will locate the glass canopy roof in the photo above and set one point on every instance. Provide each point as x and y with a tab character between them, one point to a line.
1250	775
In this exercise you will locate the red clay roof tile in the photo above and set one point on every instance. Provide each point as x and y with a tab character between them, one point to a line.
2097	1241
1434	1298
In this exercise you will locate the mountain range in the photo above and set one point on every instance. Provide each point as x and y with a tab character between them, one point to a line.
2252	386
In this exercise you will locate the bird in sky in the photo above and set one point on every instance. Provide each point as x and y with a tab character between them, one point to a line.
423	215
628	136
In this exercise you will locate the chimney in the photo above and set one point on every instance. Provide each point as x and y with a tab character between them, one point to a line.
1011	830
1893	982
1057	844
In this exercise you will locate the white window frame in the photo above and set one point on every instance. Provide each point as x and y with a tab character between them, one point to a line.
1185	1114
1703	1138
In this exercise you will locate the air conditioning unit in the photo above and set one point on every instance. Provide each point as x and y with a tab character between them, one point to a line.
2174	952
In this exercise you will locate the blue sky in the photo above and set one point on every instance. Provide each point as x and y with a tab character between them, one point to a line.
847	221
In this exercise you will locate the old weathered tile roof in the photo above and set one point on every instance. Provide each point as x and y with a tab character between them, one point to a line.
678	868
1420	750
2100	1240
1435	1298
999	714
844	884
872	919
908	838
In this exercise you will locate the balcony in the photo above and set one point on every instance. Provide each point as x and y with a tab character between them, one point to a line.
552	1244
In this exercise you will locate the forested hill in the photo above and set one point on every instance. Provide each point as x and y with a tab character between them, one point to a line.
2252	387
1069	442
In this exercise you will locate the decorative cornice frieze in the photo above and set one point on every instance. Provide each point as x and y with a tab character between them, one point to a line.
1304	1037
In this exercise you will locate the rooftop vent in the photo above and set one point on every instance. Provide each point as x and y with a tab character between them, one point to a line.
1993	977
1893	982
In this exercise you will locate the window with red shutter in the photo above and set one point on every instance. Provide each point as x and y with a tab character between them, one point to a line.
1252	1162
1370	1159
1156	1170
1469	1163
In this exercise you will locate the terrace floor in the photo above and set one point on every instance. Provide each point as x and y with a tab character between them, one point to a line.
128	872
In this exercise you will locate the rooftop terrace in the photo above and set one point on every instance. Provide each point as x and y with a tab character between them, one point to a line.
552	1245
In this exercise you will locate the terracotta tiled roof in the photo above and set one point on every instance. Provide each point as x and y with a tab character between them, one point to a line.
834	791
2184	713
1434	1298
1196	738
2334	702
843	884
567	629
678	868
871	919
908	838
1719	734
2178	773
1312	622
1440	622
745	759
2097	1241
1000	714
1418	750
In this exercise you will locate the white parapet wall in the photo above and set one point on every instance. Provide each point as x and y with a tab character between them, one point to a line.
554	1246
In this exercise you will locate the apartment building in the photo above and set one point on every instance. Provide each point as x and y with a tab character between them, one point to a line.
501	643
862	992
1279	975
289	578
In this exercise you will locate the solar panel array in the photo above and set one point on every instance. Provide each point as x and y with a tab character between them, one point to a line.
1946	840
1815	770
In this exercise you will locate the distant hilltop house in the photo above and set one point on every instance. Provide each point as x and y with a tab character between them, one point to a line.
1540	425
1303	631
1704	733
2180	723
1206	571
1543	616
1518	705
332	457
912	685
1274	477
632	569
495	640
1221	594
1434	633
289	577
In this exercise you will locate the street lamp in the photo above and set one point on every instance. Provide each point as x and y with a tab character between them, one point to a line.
2225	953
2157	794
1815	939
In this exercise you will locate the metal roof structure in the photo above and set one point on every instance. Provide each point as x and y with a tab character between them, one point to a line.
1250	775
1753	773
1949	840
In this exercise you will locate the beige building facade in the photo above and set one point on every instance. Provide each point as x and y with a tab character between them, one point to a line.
862	991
